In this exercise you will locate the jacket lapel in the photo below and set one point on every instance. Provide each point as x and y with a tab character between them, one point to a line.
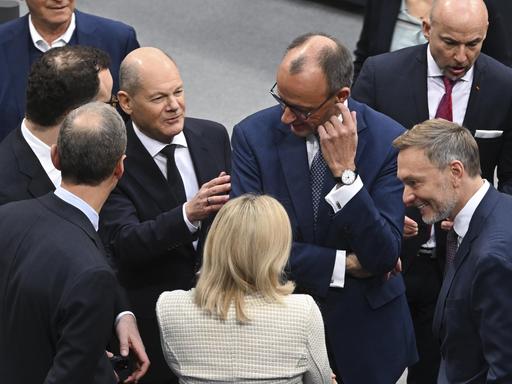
475	227
293	157
141	167
419	92
204	168
473	112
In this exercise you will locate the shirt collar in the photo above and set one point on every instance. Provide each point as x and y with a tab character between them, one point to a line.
43	45
40	149
80	204
154	146
463	218
433	69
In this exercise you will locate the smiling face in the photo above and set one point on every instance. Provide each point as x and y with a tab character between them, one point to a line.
456	32
425	186
157	106
51	13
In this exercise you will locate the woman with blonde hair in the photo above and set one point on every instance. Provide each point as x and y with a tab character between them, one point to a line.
241	324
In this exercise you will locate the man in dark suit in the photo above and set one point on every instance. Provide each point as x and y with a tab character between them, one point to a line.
344	202
58	294
409	86
53	90
51	24
380	26
175	180
439	165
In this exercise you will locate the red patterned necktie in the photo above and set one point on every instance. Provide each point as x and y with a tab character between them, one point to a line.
444	109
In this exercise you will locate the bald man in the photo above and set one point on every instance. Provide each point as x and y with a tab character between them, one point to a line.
328	159
448	78
175	180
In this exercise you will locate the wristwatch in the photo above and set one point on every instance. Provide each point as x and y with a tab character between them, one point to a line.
348	176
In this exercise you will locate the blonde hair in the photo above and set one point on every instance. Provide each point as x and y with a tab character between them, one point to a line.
245	253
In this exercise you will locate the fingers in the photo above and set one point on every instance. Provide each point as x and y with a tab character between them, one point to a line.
446	225
410	227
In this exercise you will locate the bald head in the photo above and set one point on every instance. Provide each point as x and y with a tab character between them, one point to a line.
320	52
456	31
141	63
459	13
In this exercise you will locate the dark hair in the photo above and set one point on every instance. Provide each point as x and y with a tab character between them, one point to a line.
91	141
335	62
61	80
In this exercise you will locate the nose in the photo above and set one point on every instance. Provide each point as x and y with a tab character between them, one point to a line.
460	54
408	196
288	116
172	103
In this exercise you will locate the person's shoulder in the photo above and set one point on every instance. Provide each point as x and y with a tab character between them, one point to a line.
492	67
399	55
300	303
168	301
378	123
11	28
204	125
102	23
260	127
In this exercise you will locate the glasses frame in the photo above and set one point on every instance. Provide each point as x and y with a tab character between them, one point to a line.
303	115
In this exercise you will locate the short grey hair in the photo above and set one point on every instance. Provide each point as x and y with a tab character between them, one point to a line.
91	142
443	142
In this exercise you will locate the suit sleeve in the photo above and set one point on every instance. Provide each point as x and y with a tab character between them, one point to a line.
490	301
134	240
84	320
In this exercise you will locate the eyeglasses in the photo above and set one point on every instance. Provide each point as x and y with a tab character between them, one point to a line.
113	102
299	112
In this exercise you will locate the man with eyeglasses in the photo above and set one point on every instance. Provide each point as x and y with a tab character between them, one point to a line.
329	161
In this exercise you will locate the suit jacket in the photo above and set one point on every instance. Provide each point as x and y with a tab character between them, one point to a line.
380	20
473	315
115	38
142	225
282	343
57	295
368	326
21	176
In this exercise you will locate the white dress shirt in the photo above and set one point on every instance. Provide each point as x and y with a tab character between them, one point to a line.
337	198
61	41
435	90
463	218
183	163
43	154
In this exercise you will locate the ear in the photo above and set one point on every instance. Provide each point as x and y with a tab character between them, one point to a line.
342	94
55	156
426	28
457	172
125	102
119	169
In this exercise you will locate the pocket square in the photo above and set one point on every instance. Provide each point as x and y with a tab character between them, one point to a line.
487	134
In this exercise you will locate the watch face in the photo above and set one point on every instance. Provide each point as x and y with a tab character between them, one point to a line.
348	177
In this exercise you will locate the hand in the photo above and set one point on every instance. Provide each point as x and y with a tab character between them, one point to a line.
338	141
333	377
395	271
354	268
446	225
410	227
209	199
129	340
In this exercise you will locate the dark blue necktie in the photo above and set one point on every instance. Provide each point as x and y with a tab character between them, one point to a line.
317	173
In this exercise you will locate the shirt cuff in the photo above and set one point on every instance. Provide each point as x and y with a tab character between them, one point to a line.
338	274
118	317
338	197
192	227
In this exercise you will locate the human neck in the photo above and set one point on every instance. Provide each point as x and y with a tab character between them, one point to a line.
50	32
47	135
95	196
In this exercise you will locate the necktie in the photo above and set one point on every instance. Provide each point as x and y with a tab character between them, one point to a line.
317	174
173	175
451	246
444	109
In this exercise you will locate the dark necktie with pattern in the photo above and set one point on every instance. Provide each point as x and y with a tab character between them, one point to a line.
317	174
444	109
173	175
451	247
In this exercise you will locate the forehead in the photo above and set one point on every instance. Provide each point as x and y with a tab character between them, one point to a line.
463	27
412	162
163	76
308	86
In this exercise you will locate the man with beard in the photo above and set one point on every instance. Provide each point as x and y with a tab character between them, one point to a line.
440	168
447	78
